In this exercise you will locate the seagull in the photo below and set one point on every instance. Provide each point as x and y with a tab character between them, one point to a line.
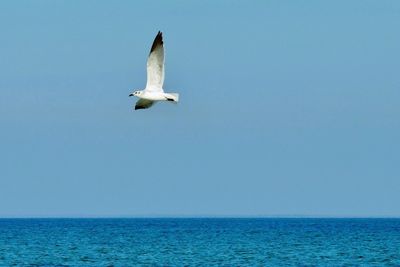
155	78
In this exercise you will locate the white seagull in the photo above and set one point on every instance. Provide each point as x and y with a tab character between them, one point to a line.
155	78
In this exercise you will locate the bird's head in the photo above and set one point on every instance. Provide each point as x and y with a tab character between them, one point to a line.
136	93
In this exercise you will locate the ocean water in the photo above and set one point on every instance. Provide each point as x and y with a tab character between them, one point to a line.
199	242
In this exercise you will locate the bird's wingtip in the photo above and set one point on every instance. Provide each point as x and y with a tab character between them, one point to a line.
158	41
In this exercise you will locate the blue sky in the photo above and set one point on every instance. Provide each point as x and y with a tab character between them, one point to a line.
287	108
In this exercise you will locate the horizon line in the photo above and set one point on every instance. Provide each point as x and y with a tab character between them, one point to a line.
201	217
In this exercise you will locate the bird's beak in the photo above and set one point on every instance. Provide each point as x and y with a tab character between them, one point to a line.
131	95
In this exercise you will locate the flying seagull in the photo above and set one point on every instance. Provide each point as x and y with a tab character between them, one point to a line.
155	78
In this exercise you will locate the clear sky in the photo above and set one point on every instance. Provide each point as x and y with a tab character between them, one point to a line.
286	108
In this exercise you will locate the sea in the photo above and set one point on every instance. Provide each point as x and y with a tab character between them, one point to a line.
200	242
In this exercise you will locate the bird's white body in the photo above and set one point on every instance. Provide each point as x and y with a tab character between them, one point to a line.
158	96
155	78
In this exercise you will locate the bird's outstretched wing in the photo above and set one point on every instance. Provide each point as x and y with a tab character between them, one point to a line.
143	103
155	65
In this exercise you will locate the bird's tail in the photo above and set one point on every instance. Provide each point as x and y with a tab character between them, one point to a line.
174	96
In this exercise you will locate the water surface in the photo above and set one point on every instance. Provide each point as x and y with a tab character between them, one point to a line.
205	242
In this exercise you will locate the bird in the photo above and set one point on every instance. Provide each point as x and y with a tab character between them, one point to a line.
155	78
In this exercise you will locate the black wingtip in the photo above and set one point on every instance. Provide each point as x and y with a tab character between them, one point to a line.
140	107
157	41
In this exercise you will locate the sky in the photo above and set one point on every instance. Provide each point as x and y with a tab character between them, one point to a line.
287	108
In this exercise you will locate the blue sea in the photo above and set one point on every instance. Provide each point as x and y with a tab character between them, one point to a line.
199	242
